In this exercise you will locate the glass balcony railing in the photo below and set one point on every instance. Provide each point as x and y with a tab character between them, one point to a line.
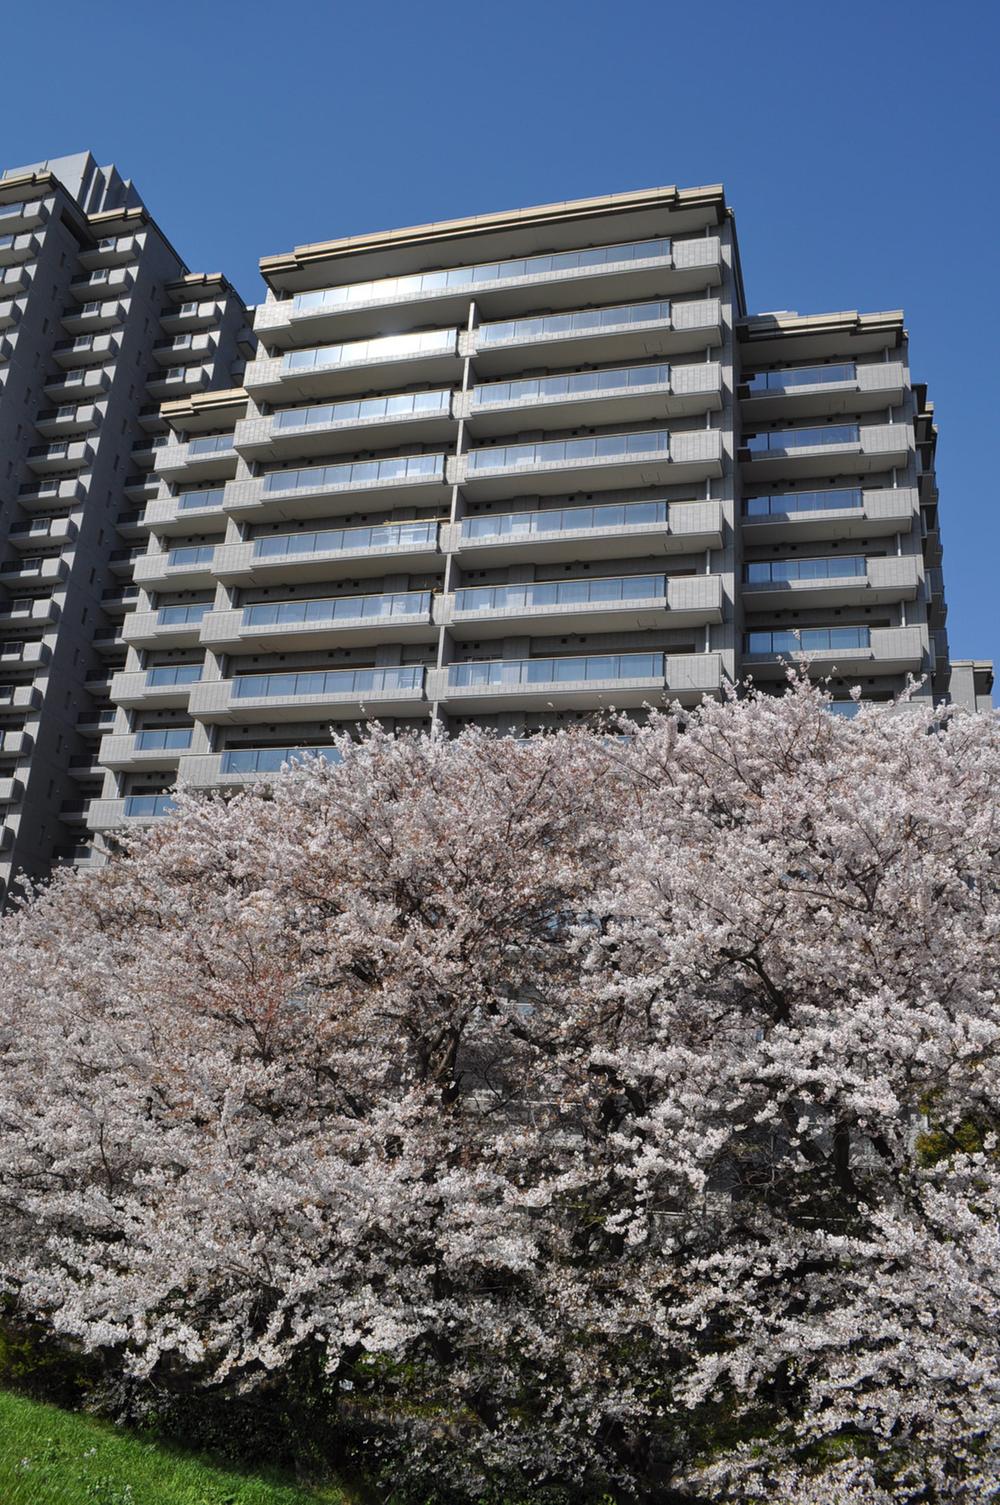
510	673
333	682
337	540
770	571
173	616
544	326
271	759
363	410
808	640
11	211
210	444
163	739
388	347
192	501
565	451
422	284
190	554
613	589
355	473
173	674
510	526
577	384
782	439
148	804
843	497
802	376
847	708
335	609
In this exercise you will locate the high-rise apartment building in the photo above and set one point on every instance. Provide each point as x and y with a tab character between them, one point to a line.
515	469
100	321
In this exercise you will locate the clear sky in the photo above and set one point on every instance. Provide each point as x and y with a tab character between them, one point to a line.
858	143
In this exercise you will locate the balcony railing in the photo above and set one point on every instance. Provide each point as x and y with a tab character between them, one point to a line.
346	682
163	739
808	640
271	759
146	805
338	540
516	525
210	444
564	451
173	616
173	674
355	473
543	326
577	384
802	376
845	497
190	554
782	439
834	568
420	284
340	608
198	500
529	671
360	352
363	410
489	598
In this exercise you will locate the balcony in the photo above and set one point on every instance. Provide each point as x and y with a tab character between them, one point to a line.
590	681
10	312
184	349
85	350
558	280
187	511
835	580
177	381
623	603
87	382
844	512
323	428
26	615
205	457
27	215
61	454
84	318
105	282
330	490
16	655
42	531
624	394
313	695
33	573
11	791
651	457
176	318
15	745
111	250
16	248
167	627
613	530
829	449
245	765
43	495
823	391
388	617
622	332
406	548
156	747
70	418
188	567
136	811
844	651
160	687
430	356
15	280
18	700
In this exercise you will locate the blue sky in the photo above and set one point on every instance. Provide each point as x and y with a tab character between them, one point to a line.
858	144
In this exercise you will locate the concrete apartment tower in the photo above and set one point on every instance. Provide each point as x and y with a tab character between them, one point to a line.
516	469
100	321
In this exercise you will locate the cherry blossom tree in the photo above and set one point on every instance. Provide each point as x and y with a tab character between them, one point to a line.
596	1112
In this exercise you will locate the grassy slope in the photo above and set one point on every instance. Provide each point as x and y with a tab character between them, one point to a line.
53	1457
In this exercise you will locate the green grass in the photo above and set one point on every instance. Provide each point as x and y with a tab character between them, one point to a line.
53	1457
